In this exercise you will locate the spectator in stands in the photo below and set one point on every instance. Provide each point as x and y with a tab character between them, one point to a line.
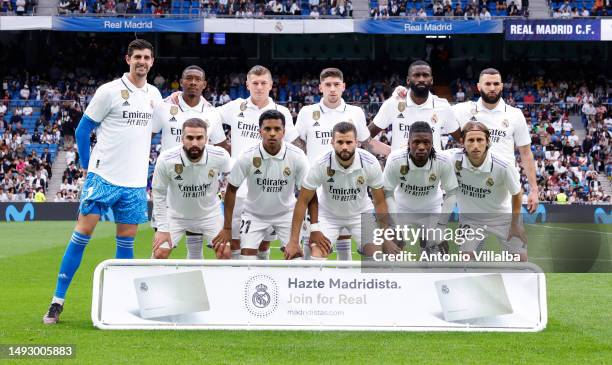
27	110
20	7
40	197
25	92
484	14
295	8
314	13
500	6
529	98
438	9
458	10
3	109
512	9
421	14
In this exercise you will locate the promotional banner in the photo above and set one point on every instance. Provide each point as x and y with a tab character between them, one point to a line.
25	22
430	27
606	29
553	30
306	295
106	24
278	26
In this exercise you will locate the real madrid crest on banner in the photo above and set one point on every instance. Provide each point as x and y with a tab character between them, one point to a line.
178	168
434	118
243	106
316	115
330	171
458	166
432	177
404	169
211	173
505	123
401	106
490	182
287	171
257	161
360	180
125	94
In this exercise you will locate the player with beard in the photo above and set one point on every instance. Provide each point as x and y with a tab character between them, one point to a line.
185	187
416	176
344	175
507	126
417	104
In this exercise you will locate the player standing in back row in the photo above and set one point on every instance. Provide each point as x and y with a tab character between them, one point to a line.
507	126
122	112
242	115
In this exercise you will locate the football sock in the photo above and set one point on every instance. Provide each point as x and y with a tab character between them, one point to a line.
344	249
194	247
70	263
125	247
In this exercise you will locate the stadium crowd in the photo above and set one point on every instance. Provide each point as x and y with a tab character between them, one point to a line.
39	113
466	9
230	8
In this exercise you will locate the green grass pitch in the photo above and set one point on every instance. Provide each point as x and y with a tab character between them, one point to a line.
579	324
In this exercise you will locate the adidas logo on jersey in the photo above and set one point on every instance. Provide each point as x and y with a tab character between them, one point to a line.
241	115
178	177
257	172
402	178
400	115
316	124
330	180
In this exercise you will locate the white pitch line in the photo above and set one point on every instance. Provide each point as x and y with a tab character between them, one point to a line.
572	229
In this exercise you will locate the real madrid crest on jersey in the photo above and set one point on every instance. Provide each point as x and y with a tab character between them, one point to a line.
434	118
173	112
243	106
178	168
458	166
404	169
257	161
490	182
505	123
432	177
360	180
401	106
125	94
211	173
316	115
287	171
330	171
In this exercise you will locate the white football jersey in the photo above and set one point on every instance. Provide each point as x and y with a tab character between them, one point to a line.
315	123
169	118
418	189
186	190
401	114
271	180
343	193
487	188
506	123
243	117
124	115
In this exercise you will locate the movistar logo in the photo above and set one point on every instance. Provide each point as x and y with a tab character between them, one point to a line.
601	217
15	215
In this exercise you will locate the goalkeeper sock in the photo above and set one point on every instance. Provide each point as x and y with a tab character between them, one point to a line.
263	255
125	247
194	247
306	247
70	263
344	249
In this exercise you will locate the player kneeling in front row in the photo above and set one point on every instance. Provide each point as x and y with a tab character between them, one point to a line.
272	170
342	177
415	177
489	194
185	186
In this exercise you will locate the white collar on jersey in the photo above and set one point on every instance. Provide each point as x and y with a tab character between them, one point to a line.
428	165
198	108
335	165
187	162
429	103
271	104
340	108
499	108
486	167
131	87
279	156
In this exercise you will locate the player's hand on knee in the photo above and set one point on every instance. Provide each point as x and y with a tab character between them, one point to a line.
390	247
400	93
223	237
223	251
518	230
162	238
293	250
319	239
